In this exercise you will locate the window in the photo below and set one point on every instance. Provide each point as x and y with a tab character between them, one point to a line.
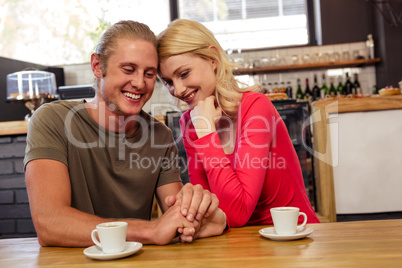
52	32
250	24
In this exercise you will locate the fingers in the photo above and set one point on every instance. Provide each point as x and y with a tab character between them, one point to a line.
170	200
185	194
192	198
207	206
187	235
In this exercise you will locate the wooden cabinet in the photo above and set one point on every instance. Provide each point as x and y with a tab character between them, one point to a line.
356	163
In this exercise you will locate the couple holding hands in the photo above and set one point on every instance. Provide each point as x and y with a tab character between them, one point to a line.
77	169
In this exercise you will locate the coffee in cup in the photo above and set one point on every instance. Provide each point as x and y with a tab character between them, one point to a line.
285	220
112	236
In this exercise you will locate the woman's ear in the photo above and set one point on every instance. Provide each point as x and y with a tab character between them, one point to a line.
95	65
214	63
214	48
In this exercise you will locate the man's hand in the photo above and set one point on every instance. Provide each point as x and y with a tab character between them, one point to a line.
196	203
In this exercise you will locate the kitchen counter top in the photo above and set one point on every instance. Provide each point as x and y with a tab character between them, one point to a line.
13	128
21	127
373	103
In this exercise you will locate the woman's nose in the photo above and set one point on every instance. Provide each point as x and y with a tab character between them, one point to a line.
179	90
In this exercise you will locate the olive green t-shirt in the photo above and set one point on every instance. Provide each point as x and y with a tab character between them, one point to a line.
112	175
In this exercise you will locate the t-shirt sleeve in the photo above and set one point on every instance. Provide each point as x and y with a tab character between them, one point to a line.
45	137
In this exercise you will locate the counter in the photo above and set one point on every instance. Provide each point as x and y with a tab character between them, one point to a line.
13	128
357	145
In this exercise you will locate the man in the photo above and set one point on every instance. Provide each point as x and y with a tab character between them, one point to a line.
88	163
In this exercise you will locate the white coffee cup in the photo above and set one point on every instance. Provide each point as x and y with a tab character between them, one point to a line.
112	236
285	220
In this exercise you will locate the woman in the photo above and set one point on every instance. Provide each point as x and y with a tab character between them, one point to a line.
237	145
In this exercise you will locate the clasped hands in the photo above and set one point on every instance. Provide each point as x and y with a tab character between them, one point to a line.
192	213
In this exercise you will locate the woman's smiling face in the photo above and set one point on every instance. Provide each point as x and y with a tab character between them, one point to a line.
189	77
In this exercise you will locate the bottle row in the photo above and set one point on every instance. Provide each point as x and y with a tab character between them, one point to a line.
338	86
348	88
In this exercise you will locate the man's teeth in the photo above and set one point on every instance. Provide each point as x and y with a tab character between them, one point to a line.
189	97
131	95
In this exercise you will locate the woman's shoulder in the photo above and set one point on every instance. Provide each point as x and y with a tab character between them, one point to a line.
255	100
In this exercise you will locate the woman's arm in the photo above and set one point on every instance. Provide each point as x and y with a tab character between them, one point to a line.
237	185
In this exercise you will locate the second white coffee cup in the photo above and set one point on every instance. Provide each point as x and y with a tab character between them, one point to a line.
112	236
285	220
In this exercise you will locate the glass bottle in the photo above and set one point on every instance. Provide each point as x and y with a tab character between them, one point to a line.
299	92
316	90
356	85
308	95
324	88
348	85
289	90
340	89
375	90
332	90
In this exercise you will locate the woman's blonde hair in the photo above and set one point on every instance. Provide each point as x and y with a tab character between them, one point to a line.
187	36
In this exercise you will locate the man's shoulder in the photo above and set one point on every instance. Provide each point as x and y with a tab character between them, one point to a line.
54	114
60	107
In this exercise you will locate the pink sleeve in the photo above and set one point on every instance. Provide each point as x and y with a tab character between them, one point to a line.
238	185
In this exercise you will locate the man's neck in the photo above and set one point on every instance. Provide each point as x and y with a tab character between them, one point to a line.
111	120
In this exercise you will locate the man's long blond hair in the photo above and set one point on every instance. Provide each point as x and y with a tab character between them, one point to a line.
187	36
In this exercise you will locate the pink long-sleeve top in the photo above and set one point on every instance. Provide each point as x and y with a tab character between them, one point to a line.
262	172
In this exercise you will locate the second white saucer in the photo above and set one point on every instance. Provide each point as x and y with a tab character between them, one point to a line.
95	252
269	232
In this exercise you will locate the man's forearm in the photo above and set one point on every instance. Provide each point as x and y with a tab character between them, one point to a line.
72	228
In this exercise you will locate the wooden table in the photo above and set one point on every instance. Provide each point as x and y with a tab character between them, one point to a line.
339	244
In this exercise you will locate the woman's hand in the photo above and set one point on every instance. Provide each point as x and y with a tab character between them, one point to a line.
196	203
205	116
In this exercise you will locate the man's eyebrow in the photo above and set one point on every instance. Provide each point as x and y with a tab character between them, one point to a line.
136	65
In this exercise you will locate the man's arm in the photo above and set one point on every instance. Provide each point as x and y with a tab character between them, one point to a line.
58	224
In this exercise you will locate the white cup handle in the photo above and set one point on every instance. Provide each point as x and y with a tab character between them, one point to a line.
299	227
94	239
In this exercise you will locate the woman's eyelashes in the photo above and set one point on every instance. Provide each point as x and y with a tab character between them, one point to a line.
167	83
184	74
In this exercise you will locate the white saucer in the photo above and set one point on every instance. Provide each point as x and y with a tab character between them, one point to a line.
97	253
270	233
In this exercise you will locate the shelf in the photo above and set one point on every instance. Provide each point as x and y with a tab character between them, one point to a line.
301	67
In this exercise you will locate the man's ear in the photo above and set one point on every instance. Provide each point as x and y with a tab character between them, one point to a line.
95	65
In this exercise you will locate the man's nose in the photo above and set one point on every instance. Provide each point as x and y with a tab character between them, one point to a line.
138	81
